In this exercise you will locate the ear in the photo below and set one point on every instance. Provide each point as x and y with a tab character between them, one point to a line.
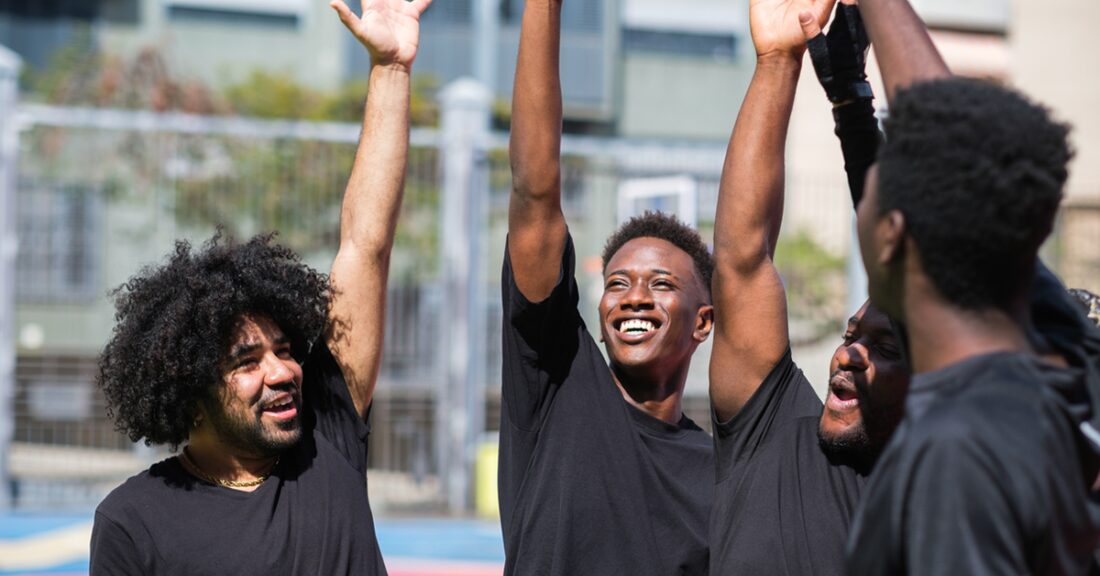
891	231
704	323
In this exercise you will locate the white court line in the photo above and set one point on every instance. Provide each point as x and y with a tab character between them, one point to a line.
46	549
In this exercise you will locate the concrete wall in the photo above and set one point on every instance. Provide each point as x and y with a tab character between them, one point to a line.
220	52
1055	60
681	97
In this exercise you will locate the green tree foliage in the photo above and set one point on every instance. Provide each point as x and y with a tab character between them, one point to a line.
815	283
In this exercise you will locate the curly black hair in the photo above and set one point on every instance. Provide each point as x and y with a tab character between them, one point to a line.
174	323
978	172
670	229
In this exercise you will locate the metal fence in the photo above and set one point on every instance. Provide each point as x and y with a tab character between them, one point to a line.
103	192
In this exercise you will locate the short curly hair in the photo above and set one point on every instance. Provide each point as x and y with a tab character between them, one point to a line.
174	323
670	229
978	172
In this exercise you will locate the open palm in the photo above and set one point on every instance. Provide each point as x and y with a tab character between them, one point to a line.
390	29
775	26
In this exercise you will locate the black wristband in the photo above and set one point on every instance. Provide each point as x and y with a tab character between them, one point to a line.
839	58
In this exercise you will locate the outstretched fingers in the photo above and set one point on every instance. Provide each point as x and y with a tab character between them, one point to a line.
418	6
348	17
810	28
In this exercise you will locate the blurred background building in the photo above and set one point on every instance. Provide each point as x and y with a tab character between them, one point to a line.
144	121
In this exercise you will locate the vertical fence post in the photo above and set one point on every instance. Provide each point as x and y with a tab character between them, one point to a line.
460	401
487	25
10	64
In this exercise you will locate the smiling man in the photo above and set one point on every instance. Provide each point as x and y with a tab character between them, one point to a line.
790	469
600	471
265	370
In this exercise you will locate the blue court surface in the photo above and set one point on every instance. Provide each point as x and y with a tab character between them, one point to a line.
57	545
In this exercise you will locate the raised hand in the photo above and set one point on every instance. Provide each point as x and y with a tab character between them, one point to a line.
390	29
777	28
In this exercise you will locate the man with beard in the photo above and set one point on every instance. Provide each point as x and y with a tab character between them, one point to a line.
600	471
783	506
265	369
988	471
790	470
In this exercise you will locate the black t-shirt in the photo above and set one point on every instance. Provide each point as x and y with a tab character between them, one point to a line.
781	508
588	484
983	476
310	517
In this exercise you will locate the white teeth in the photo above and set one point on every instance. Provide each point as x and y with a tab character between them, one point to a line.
636	326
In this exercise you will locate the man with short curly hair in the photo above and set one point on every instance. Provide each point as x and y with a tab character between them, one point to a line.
264	369
600	470
988	472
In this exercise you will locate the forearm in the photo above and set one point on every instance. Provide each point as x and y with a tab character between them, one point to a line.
372	200
860	138
903	47
536	225
535	147
750	202
368	221
749	301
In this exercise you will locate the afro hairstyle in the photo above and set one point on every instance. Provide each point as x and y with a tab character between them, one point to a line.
670	229
978	171
174	323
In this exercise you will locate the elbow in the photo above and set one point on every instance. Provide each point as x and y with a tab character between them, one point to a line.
372	249
739	259
541	181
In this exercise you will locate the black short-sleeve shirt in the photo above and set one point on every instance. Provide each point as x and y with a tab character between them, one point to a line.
781	507
983	476
311	516
588	484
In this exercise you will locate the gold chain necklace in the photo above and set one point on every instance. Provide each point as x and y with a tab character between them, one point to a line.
194	469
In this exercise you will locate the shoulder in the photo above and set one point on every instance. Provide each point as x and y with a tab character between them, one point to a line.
564	290
126	501
784	396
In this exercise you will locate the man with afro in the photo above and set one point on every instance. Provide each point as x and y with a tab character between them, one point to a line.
600	471
263	369
988	471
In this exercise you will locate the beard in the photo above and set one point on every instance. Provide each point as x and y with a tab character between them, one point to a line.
243	431
852	448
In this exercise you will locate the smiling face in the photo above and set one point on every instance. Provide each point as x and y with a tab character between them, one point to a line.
867	386
654	311
256	408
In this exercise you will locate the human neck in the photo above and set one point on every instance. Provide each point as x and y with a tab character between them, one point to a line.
659	397
942	334
215	459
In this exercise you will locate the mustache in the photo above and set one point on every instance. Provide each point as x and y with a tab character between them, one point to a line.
276	390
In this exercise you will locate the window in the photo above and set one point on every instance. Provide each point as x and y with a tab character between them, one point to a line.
586	16
269	12
679	43
58	257
675	195
450	12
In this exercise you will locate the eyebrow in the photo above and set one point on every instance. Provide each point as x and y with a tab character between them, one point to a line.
654	270
241	350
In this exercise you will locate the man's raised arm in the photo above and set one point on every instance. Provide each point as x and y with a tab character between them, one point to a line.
390	30
536	225
749	301
905	52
